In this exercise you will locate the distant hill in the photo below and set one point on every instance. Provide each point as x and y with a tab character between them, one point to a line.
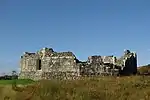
144	70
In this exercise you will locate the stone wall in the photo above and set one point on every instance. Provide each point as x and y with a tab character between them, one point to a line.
61	64
100	65
47	64
110	65
28	65
29	62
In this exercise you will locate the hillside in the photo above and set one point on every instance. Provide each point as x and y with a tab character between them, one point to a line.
144	69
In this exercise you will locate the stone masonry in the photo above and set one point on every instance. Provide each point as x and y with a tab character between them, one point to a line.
48	64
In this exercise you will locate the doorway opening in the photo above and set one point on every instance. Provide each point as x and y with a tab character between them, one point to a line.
38	64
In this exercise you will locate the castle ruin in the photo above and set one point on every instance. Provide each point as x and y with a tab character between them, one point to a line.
48	64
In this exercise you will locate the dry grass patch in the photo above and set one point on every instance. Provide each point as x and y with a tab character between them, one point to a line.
100	88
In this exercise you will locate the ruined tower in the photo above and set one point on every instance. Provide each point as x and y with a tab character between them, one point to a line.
130	63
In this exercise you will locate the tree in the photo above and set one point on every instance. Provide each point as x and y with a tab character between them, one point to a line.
14	75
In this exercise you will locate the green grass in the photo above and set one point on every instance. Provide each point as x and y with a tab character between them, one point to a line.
19	81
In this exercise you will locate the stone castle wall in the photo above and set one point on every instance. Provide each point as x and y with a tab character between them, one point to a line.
47	64
59	66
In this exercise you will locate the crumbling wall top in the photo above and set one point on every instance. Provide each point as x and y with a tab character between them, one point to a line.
29	55
122	59
62	54
45	52
95	59
126	52
108	59
101	59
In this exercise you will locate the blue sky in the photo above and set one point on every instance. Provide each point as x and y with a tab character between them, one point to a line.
85	27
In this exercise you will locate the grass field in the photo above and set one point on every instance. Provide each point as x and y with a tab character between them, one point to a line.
101	88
